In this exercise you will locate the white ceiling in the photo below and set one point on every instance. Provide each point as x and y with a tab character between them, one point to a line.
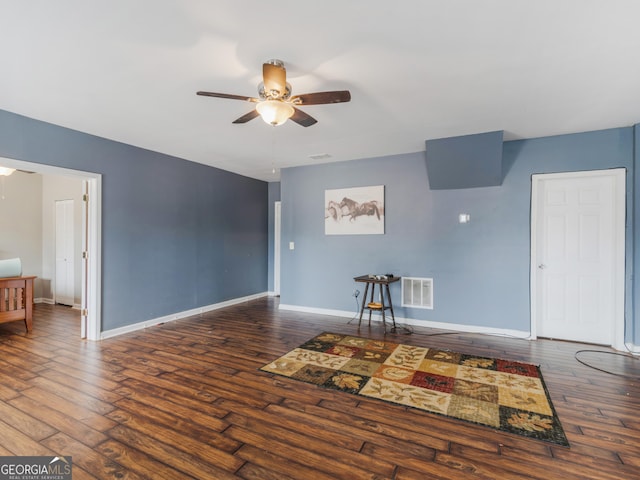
129	70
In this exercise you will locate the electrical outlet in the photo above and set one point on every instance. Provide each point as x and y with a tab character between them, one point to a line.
356	292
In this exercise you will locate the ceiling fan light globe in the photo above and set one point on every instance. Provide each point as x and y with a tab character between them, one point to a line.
274	112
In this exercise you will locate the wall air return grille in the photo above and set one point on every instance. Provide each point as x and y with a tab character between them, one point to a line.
417	292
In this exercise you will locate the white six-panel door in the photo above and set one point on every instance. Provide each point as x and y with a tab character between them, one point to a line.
577	263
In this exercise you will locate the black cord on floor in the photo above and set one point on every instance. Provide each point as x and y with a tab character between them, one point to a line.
355	297
410	331
630	377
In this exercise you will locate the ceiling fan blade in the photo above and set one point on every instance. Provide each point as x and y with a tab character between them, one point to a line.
249	116
321	98
302	118
229	96
274	76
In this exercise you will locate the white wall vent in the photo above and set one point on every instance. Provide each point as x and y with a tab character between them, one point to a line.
417	292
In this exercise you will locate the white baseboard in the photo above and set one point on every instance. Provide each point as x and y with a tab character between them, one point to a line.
413	322
51	301
177	316
632	349
318	311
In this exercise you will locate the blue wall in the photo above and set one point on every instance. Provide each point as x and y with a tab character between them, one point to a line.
634	215
176	235
480	269
466	161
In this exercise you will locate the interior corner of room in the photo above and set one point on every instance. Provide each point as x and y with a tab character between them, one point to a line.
320	240
195	205
474	242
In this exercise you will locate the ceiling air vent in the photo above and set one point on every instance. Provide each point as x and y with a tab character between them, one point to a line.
319	156
417	292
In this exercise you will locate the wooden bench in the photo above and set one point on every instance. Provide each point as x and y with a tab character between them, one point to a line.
16	300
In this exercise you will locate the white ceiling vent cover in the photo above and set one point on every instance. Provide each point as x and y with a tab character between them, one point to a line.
319	156
417	292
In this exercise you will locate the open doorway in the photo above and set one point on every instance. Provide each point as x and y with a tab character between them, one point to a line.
90	285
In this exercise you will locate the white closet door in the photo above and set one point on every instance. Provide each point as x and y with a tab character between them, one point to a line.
577	255
64	277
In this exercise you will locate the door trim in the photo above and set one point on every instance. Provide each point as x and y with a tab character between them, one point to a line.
619	242
277	221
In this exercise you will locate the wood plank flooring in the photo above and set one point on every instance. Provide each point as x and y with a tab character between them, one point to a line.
186	400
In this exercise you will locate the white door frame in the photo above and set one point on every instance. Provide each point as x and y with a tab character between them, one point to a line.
277	221
619	241
91	294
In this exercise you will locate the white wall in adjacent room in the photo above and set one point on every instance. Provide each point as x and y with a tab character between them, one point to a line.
21	223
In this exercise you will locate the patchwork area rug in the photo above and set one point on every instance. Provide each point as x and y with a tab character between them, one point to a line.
505	395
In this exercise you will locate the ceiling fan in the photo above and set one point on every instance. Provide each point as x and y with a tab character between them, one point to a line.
275	104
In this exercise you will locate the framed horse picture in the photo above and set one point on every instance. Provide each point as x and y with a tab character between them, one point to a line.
354	211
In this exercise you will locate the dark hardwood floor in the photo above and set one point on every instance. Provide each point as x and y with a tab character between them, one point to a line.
186	400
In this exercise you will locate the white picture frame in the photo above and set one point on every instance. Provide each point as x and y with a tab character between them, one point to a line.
354	211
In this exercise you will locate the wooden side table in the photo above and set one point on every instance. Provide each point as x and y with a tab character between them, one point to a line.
383	282
16	300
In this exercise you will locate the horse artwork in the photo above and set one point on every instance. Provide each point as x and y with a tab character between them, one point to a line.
354	211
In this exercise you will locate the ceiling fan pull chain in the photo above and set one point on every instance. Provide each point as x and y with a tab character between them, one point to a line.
273	149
